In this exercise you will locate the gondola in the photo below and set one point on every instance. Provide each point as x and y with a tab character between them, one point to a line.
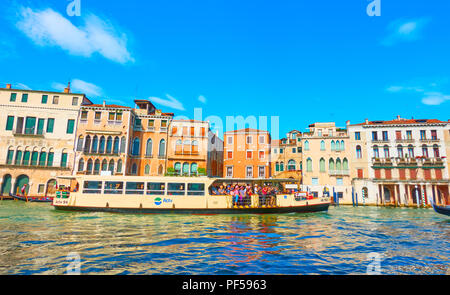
31	199
445	210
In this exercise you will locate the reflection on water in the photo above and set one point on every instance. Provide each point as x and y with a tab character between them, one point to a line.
36	239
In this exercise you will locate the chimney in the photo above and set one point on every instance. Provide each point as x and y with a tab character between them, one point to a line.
347	123
398	118
367	121
67	90
8	86
104	103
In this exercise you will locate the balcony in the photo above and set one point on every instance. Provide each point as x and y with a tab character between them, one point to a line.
163	129
405	140
380	141
339	172
430	140
29	132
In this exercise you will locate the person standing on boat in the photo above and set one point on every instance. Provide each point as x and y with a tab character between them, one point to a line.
24	187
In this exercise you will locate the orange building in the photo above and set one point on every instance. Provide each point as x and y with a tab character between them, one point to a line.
247	154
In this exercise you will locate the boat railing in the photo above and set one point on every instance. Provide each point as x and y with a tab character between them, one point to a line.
253	201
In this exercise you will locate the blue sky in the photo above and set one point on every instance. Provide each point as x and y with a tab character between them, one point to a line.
304	61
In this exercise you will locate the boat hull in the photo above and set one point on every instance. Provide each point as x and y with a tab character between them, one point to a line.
271	210
31	200
441	210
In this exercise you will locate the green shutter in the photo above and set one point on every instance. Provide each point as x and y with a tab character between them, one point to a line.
50	125
25	97
10	157
40	128
64	160
30	125
42	159
13	97
50	159
34	158
18	158
10	123
44	99
70	126
26	158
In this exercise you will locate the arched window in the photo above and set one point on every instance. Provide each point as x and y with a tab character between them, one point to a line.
277	166
338	165
411	151
400	151
43	158
331	165
26	157
134	169
111	167
322	165
162	148
104	165
89	167
436	151
87	144
322	145
425	151
358	152
149	148
194	147
136	147
123	143
194	168
101	148
186	168
338	146
80	143
116	145
109	144
187	147
376	152
19	155
97	167
119	166
282	166
345	164
94	144
333	145
386	152
306	145
291	165
342	145
51	156
147	169
177	168
309	165
81	165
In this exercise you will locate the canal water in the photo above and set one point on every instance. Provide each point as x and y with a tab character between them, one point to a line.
36	239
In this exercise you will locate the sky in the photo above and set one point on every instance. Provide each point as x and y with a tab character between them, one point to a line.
301	61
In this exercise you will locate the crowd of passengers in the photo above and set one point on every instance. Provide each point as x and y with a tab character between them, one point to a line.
242	194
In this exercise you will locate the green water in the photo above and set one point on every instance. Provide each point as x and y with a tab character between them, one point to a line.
36	239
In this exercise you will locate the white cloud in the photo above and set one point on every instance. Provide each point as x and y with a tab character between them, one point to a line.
435	98
171	102
202	99
404	31
430	97
49	28
81	86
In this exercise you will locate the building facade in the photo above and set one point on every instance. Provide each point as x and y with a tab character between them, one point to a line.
326	162
287	157
247	154
38	131
400	162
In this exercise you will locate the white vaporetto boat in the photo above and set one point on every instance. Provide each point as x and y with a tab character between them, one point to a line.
187	195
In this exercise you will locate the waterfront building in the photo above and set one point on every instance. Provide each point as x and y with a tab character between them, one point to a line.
287	157
326	161
400	162
247	154
193	149
103	138
37	135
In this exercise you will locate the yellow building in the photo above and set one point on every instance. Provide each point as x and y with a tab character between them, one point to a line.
286	156
37	132
326	161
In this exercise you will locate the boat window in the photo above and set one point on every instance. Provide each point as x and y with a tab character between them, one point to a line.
176	189
196	189
155	188
135	188
113	188
92	187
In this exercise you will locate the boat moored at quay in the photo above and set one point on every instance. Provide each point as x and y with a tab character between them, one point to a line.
185	195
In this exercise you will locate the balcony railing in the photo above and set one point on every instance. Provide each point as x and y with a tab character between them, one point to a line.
339	172
32	132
